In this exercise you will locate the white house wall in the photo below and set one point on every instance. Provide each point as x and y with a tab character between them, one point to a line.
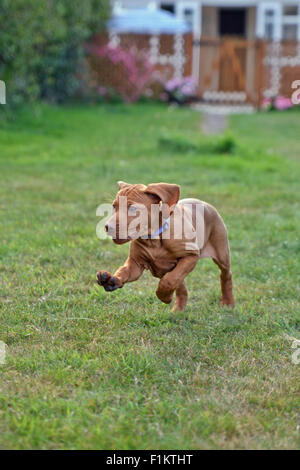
218	3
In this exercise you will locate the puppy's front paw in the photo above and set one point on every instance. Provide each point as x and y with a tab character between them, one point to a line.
164	296
165	290
106	280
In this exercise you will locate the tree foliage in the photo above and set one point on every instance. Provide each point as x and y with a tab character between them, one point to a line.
42	44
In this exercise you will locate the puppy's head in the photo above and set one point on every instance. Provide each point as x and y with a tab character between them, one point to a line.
136	205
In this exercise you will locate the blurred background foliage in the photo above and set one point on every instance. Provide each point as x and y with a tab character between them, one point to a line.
42	45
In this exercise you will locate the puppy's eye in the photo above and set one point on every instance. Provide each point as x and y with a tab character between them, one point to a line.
131	210
114	207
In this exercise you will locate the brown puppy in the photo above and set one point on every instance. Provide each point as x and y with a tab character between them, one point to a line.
169	239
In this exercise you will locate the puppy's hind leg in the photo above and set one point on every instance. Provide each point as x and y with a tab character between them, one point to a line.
181	298
226	283
221	257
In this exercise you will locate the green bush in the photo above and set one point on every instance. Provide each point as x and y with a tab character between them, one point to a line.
177	144
223	144
42	46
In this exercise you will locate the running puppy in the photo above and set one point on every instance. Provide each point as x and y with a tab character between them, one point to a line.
168	238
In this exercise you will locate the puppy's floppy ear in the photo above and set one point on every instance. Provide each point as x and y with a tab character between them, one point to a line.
123	185
167	193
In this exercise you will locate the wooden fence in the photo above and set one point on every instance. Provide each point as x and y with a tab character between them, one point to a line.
231	70
237	70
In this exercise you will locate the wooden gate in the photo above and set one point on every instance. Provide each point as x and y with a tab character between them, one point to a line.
231	70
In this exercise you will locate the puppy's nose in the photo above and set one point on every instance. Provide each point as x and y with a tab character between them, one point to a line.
106	228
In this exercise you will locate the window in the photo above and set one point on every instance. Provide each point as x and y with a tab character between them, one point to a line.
276	22
269	22
290	32
290	10
269	31
168	7
291	23
188	15
269	14
232	22
190	12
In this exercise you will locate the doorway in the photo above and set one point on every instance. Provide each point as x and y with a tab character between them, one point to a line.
232	22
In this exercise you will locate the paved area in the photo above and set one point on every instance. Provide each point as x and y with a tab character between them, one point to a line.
224	108
215	115
213	123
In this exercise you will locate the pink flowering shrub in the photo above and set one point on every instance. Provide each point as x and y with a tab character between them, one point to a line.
126	72
180	90
279	103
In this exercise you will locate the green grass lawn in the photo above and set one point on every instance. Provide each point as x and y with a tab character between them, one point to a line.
90	369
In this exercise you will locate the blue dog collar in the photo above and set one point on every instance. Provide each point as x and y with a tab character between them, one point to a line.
162	229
